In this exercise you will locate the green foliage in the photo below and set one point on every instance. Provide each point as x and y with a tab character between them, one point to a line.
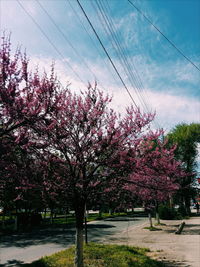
182	211
167	213
186	137
100	255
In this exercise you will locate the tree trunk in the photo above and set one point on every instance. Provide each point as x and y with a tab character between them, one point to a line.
51	217
79	247
171	204
79	213
157	217
187	205
150	219
16	223
3	220
157	214
45	213
85	221
86	235
100	213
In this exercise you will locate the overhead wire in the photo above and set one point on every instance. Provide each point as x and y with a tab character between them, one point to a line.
85	29
67	40
49	40
106	52
70	44
120	52
130	66
166	38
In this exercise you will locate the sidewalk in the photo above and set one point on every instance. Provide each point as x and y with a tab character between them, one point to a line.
175	250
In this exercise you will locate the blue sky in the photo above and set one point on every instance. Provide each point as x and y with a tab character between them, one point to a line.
161	77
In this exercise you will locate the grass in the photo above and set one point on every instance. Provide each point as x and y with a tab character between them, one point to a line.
99	255
5	218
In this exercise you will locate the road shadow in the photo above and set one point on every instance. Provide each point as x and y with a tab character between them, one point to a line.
172	229
122	219
99	226
13	263
60	236
100	231
191	229
173	263
39	237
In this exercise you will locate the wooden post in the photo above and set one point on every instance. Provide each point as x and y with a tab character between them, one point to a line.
180	228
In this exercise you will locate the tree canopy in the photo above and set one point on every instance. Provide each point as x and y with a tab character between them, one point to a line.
186	137
59	146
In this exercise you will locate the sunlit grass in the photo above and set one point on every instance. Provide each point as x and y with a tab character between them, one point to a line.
99	255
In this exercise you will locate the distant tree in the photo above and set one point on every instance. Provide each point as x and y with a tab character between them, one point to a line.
186	137
157	173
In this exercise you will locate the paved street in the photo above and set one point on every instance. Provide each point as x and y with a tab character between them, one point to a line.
26	247
175	250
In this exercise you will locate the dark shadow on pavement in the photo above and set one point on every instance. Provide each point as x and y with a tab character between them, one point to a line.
173	229
59	236
121	219
191	229
174	263
91	226
12	263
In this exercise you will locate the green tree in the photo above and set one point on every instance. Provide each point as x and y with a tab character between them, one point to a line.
186	137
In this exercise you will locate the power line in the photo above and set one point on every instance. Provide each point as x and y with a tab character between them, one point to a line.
107	53
77	16
120	51
68	41
129	67
172	44
49	40
64	36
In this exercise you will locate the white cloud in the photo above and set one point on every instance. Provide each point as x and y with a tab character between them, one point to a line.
171	109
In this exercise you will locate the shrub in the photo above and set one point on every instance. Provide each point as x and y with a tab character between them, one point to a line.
182	210
167	213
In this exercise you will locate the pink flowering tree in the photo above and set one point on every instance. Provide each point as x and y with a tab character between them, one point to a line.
26	102
91	138
53	183
156	173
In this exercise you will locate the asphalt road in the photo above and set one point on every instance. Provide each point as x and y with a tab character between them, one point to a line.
27	247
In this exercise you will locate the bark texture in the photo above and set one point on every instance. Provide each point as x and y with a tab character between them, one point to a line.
150	220
79	212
